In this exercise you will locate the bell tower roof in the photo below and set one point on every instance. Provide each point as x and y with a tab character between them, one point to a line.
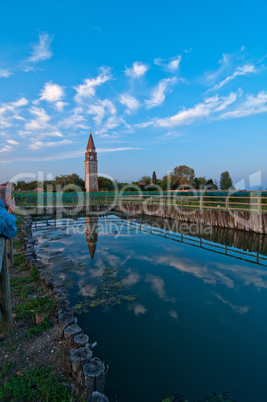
90	145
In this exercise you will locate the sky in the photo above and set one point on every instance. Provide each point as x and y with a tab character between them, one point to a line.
159	83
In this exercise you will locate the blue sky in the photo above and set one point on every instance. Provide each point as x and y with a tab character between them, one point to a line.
159	83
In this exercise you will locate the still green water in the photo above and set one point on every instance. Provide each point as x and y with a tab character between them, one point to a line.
199	322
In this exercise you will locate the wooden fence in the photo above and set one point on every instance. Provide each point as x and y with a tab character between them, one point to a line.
6	259
254	201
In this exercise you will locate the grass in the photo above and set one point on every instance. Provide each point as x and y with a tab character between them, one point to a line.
38	329
36	384
18	259
31	384
18	244
5	369
38	305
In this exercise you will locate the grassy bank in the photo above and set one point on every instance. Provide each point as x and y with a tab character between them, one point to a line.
33	357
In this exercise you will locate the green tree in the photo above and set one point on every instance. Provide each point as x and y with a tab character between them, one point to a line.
154	177
182	176
145	179
225	181
210	185
200	182
166	182
105	184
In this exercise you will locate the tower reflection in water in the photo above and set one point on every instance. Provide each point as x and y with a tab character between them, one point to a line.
91	231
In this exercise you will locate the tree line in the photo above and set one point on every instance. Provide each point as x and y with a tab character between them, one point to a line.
182	177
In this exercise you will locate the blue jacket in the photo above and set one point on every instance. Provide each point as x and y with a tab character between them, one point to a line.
7	222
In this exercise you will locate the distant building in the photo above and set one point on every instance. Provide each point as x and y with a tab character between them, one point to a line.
90	163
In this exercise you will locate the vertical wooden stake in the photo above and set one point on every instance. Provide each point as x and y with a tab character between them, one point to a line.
226	203
5	296
201	202
9	249
259	205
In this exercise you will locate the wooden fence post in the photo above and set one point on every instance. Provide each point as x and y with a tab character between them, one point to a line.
5	296
9	249
201	202
259	205
226	203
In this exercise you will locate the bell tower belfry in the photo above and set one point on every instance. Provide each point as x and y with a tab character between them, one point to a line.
90	163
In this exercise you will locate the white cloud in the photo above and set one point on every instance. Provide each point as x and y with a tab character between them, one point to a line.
159	93
101	109
171	65
41	50
19	103
4	73
41	120
224	63
88	89
252	105
9	111
76	120
12	142
6	149
244	70
226	101
40	144
201	110
44	134
129	101
137	70
60	105
103	150
52	92
145	124
174	64
61	156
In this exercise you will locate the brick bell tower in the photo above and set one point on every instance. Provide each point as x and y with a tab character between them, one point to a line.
90	163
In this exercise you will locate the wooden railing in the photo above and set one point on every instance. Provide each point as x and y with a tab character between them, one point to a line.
254	201
203	201
6	258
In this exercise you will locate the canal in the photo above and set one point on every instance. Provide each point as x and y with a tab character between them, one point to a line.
173	308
